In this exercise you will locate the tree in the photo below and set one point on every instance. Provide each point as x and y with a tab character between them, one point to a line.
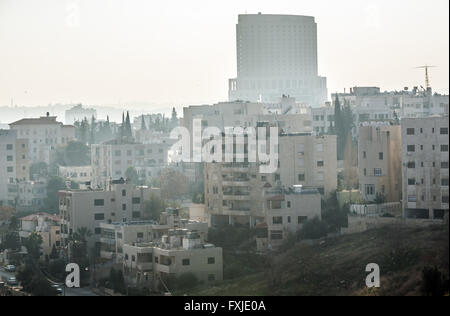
73	154
350	165
173	184
37	170
33	282
433	282
132	175
313	229
54	185
11	241
343	117
153	207
33	244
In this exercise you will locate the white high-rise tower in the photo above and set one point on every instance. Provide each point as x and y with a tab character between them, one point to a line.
277	55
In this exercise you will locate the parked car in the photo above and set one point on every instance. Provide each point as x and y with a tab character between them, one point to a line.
12	281
10	268
58	288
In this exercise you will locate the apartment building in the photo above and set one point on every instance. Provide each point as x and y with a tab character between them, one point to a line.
234	191
31	195
22	160
380	161
43	135
79	174
425	167
310	161
178	253
115	235
119	202
47	226
286	211
111	160
323	119
8	167
370	103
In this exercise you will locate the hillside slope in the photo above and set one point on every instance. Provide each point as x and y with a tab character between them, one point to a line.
337	266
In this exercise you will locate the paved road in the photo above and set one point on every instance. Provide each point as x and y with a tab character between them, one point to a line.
69	291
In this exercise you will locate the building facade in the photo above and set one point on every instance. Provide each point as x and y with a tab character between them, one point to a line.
379	162
425	167
277	55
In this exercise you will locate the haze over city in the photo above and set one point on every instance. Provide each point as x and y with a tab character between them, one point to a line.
183	52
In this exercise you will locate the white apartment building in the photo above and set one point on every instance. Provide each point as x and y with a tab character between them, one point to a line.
180	252
277	55
322	119
425	170
44	134
112	159
379	161
119	202
8	167
78	174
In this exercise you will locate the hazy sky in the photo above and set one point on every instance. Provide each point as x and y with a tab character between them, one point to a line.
183	52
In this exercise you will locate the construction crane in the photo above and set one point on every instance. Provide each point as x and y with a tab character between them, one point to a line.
427	77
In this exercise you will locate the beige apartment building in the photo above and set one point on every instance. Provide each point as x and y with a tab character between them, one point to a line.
115	235
425	168
44	134
180	252
234	191
120	202
380	161
286	210
310	161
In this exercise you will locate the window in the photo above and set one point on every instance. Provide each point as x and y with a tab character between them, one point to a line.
444	148
136	200
124	207
289	204
444	131
136	214
98	230
319	148
289	219
411	165
211	260
411	148
412	198
277	220
320	163
124	192
302	219
370	189
377	172
301	162
444	199
99	217
9	158
276	234
411	181
444	182
99	202
301	177
444	164
301	148
365	172
364	154
9	147
410	131
117	153
10	169
186	262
